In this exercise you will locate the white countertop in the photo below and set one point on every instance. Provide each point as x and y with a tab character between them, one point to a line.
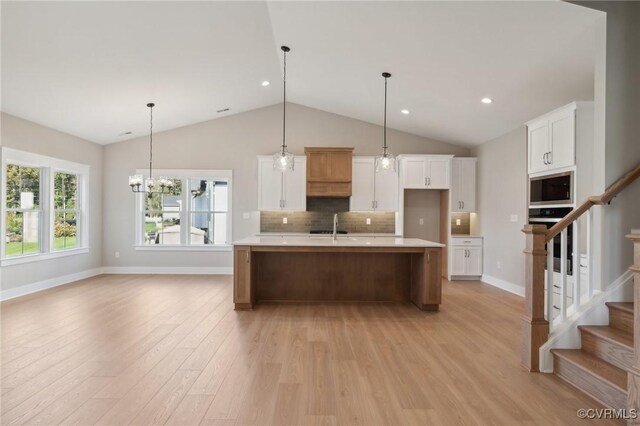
342	241
307	234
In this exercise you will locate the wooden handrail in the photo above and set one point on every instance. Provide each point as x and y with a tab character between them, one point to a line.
607	196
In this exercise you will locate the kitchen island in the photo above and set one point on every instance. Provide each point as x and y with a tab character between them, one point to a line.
290	269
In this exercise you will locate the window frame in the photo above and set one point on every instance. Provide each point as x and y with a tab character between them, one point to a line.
48	166
186	176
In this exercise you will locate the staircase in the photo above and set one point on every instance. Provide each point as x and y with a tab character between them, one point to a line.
599	368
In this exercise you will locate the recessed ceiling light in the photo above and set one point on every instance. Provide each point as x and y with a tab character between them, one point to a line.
405	111
265	83
223	110
486	100
125	134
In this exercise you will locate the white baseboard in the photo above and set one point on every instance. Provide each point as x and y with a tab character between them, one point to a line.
173	270
502	284
46	284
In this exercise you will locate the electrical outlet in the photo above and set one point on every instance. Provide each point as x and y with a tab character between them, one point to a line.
117	255
458	222
421	221
368	221
284	220
514	218
498	264
246	215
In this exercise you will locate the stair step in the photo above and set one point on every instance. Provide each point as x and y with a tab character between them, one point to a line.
599	379
621	315
609	344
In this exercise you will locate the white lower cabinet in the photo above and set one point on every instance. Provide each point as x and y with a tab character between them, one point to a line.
465	258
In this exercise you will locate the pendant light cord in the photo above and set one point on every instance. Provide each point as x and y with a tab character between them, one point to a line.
385	116
284	106
151	142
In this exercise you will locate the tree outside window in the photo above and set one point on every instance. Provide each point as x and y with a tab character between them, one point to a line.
23	224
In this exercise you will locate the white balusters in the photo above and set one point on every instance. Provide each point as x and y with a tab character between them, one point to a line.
563	274
590	252
550	313
577	289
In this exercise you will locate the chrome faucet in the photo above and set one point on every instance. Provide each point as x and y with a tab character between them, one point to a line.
335	226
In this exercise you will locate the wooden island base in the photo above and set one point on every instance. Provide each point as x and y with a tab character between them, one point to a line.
322	274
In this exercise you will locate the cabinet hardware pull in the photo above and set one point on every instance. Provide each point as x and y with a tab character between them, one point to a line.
550	157
544	158
425	182
429	180
247	256
462	204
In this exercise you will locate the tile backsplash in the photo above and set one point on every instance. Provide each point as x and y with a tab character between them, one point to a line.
319	216
465	223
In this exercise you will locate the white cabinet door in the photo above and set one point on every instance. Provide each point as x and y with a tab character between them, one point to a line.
438	173
458	260
270	189
474	261
463	185
414	172
562	143
538	141
362	184
295	186
386	191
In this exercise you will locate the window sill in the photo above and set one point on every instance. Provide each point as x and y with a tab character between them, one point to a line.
18	260
183	248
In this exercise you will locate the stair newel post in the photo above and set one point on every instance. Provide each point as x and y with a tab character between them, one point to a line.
535	328
633	377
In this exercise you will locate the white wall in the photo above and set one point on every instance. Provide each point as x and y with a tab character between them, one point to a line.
502	191
232	142
28	136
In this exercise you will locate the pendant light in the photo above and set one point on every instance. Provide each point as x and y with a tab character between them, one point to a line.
151	186
385	162
283	159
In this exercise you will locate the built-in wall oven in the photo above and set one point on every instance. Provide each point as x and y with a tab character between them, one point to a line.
550	216
551	189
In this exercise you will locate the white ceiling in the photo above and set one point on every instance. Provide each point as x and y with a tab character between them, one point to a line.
89	68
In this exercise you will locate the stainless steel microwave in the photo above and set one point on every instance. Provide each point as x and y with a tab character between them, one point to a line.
551	189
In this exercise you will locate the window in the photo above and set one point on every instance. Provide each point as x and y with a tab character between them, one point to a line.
22	234
162	216
195	216
43	207
65	204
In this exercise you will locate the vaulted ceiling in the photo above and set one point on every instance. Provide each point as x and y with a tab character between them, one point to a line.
89	68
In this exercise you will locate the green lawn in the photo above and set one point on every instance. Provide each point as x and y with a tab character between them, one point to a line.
16	249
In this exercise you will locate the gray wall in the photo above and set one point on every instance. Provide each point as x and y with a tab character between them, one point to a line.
502	191
616	146
30	137
231	143
422	204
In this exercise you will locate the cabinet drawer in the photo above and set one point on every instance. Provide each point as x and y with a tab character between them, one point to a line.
466	241
325	189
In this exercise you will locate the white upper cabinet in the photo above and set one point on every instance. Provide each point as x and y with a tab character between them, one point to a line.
426	171
282	191
552	140
372	191
463	184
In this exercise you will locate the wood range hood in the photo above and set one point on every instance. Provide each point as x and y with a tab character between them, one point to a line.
328	172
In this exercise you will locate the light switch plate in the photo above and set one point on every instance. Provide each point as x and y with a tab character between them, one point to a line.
458	222
514	218
284	220
421	221
368	221
246	215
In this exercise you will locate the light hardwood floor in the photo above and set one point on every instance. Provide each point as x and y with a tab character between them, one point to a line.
170	350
